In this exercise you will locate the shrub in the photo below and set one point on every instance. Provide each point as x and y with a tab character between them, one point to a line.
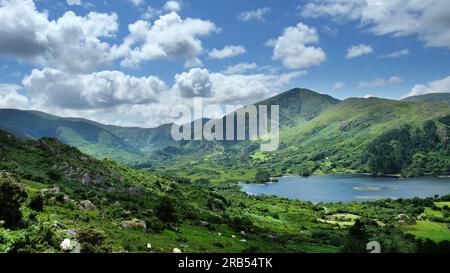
262	177
166	210
55	175
37	203
92	240
12	195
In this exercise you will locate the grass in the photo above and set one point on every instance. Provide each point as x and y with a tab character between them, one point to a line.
432	230
442	204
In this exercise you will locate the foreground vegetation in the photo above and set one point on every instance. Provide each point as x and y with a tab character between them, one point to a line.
56	199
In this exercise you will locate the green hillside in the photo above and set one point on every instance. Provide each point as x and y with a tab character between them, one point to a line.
88	136
51	192
341	139
319	134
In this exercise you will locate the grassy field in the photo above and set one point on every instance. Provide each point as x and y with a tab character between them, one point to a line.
435	231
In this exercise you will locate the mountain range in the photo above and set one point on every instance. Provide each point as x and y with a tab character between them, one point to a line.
318	134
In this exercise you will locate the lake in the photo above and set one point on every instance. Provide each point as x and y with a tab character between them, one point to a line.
346	188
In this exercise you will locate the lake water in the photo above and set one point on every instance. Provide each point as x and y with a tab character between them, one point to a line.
346	188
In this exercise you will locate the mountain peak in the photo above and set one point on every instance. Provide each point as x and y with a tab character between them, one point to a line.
299	103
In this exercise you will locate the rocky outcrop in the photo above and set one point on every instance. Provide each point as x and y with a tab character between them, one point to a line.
87	205
135	223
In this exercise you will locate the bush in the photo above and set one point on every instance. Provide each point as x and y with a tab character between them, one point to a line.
202	182
55	175
166	210
92	240
37	203
12	195
262	177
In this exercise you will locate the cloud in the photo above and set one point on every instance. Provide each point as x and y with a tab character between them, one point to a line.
395	54
10	97
339	85
55	88
74	2
70	42
162	40
257	14
437	86
379	82
227	52
291	47
240	68
195	83
151	13
358	50
428	19
230	89
172	6
137	3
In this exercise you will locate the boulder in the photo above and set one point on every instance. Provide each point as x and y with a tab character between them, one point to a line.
176	250
135	223
65	245
87	205
54	190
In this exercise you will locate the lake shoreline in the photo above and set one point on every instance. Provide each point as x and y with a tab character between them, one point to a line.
349	187
275	179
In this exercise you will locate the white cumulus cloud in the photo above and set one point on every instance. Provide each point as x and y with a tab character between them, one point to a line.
163	40
358	50
71	42
55	88
294	48
427	19
437	86
10	97
227	52
172	6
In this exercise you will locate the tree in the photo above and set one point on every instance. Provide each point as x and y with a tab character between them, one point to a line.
357	238
166	210
12	195
262	176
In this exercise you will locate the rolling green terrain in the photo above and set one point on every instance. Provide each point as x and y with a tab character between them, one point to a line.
319	134
50	192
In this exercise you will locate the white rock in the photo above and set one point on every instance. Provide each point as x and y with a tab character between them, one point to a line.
220	234
65	245
243	241
176	250
149	246
233	236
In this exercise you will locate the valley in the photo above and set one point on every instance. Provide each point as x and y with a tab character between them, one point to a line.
115	189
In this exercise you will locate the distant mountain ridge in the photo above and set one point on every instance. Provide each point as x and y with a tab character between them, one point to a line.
432	97
128	144
318	134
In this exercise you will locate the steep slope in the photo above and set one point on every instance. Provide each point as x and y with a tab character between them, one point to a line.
433	97
136	145
338	138
88	136
107	207
102	206
299	104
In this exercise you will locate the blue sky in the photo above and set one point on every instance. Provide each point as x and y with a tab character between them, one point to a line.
81	58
